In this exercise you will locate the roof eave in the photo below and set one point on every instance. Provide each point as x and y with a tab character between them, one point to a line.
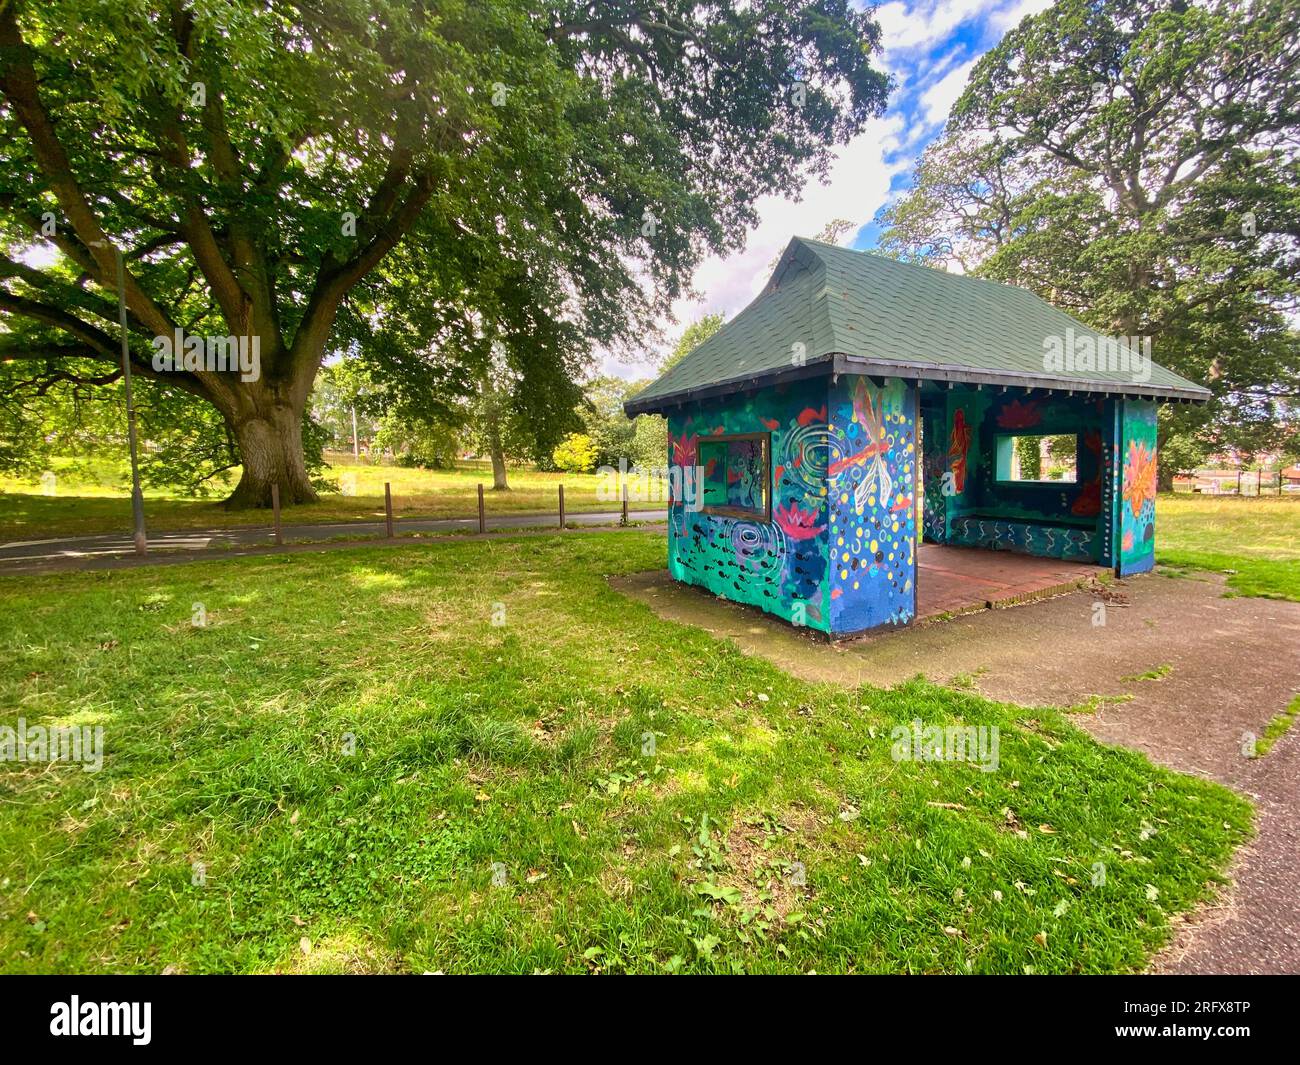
916	371
928	371
817	367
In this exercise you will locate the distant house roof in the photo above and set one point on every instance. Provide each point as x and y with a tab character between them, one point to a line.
859	313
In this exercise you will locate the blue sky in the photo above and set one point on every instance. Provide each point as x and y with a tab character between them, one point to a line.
929	46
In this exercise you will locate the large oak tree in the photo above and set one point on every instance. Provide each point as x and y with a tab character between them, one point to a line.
521	177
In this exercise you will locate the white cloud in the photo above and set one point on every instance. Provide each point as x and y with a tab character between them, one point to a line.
859	180
1009	16
938	99
921	24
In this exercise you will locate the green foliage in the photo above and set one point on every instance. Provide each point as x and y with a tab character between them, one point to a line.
1031	457
576	453
692	337
612	432
1126	161
187	446
1182	453
430	447
428	187
387	420
640	441
650	441
344	391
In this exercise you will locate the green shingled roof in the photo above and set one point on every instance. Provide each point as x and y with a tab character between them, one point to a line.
855	312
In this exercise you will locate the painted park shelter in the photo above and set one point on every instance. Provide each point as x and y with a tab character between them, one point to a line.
858	404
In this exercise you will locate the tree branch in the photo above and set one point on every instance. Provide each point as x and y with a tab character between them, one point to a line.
18	84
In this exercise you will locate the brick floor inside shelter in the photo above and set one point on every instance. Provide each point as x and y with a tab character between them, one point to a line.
955	580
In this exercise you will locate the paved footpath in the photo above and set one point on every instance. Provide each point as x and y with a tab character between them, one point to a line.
35	556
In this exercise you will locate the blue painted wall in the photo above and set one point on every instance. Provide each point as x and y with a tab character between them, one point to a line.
873	483
838	555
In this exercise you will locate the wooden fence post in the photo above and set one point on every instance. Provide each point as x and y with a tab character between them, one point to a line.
482	516
561	506
275	506
388	509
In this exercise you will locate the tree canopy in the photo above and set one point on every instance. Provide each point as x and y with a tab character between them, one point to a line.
1134	162
424	185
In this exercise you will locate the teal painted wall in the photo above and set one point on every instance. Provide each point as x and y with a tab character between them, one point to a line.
1136	499
839	554
968	505
780	566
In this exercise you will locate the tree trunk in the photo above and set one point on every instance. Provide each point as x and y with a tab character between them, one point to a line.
1164	468
1164	475
492	431
270	448
498	465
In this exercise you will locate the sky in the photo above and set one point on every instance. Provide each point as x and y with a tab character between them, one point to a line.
929	46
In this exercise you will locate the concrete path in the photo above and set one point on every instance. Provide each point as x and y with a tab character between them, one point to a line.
34	555
1224	666
178	558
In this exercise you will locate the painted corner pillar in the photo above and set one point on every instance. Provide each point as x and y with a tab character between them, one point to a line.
871	478
1133	507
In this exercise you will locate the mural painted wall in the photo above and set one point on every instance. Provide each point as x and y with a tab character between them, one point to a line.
872	509
1137	496
779	566
934	461
839	553
1056	519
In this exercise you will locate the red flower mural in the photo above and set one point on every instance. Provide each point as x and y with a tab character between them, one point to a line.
796	523
1139	476
1017	415
1088	505
683	449
957	447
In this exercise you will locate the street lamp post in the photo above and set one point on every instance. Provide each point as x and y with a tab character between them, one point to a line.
137	496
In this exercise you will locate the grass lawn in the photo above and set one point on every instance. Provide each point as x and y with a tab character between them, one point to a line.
645	797
1257	541
97	499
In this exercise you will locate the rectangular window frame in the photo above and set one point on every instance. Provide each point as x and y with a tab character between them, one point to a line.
742	513
1036	482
